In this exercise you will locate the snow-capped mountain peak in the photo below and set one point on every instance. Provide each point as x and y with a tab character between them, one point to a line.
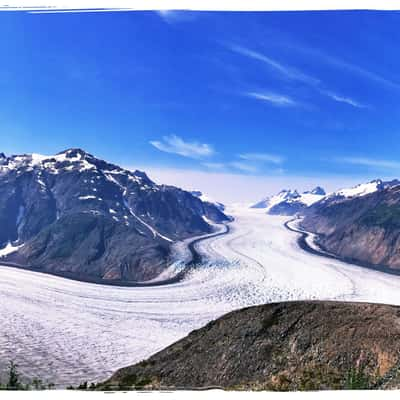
288	201
317	190
72	161
288	194
361	189
283	195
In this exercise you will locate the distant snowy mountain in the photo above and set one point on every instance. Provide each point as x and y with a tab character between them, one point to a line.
80	216
290	202
361	189
262	203
317	190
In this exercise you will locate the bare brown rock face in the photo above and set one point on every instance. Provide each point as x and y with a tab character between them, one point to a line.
282	346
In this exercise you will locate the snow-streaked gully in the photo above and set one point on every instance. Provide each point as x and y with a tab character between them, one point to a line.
66	332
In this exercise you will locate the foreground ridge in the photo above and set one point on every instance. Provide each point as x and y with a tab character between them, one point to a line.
310	345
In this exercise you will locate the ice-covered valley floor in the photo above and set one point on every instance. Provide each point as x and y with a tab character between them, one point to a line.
66	332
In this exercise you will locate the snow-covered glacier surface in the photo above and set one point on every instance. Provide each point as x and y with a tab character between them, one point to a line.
66	332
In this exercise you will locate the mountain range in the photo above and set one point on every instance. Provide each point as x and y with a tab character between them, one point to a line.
75	215
290	202
360	224
78	216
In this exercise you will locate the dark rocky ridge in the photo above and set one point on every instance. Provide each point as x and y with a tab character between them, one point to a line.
86	218
363	228
282	346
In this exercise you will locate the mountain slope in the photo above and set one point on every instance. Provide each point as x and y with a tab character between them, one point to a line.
290	202
361	223
281	346
207	199
83	217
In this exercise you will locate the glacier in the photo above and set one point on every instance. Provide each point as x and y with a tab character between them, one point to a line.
67	332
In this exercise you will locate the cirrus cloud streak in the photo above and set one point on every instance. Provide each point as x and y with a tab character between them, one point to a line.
176	145
262	157
274	98
369	162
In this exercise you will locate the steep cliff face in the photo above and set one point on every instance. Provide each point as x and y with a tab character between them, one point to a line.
282	346
364	228
80	216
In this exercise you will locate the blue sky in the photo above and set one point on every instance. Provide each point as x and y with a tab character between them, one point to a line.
199	99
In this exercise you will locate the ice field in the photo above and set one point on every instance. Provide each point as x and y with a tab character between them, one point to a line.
67	332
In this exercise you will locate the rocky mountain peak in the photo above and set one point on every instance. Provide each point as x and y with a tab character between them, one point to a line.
75	153
319	191
379	183
143	177
289	194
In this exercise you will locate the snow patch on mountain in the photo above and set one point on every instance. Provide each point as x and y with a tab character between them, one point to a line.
10	248
148	226
361	189
310	198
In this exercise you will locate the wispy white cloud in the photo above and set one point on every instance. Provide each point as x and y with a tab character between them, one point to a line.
243	166
346	65
262	157
362	72
176	145
295	74
249	163
274	98
343	99
370	162
285	70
